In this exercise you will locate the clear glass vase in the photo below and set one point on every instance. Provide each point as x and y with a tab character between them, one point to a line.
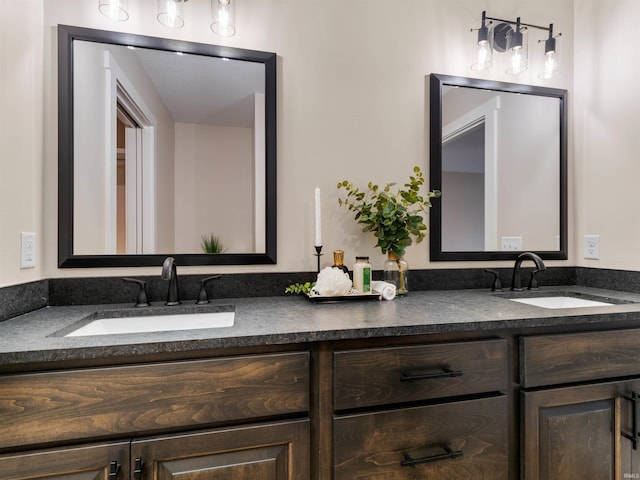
396	271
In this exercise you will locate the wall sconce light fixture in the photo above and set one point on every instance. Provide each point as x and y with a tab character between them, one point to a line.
171	13
114	9
512	37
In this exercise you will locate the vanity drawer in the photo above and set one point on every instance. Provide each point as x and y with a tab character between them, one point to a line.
369	377
577	357
77	404
375	445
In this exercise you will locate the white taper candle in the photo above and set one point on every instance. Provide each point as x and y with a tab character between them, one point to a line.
318	219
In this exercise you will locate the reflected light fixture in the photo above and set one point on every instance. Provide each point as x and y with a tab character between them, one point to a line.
223	17
171	13
114	9
511	37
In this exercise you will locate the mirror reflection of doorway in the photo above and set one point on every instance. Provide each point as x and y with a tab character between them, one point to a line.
463	188
127	201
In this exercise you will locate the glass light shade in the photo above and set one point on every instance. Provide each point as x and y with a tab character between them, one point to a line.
223	17
482	50
551	61
482	56
517	50
114	9
171	13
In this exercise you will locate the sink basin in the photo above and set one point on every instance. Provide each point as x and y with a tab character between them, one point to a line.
561	302
119	322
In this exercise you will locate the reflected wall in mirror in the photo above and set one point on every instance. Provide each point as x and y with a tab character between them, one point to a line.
163	144
499	156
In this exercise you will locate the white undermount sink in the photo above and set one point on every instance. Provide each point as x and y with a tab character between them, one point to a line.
561	302
155	323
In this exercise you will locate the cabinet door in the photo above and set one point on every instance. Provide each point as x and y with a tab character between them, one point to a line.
91	462
578	432
277	451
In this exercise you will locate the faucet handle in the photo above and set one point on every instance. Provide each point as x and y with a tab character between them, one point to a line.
203	298
497	284
533	283
143	300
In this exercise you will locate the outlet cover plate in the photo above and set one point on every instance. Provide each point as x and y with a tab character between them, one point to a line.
27	250
511	244
592	247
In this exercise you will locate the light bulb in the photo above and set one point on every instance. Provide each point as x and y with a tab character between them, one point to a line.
551	66
484	56
516	61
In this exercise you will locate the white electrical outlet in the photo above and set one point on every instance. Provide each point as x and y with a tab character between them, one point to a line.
592	247
513	244
27	250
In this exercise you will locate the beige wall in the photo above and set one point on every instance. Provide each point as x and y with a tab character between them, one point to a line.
606	133
21	130
352	104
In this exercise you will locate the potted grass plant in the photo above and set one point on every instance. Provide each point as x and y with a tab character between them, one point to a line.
212	244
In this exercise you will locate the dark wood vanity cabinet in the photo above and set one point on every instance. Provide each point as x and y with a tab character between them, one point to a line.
577	420
130	402
443	407
426	411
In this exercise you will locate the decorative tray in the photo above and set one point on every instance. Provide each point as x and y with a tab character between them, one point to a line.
314	297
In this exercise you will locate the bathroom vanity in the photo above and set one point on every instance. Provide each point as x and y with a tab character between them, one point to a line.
446	385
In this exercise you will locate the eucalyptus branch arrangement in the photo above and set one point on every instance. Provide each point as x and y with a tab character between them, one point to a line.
395	216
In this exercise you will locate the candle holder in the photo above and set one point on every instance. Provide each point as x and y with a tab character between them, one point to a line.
318	254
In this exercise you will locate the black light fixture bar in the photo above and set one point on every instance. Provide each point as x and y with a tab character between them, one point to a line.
516	22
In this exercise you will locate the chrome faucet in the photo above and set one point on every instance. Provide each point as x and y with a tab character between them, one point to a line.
515	279
169	272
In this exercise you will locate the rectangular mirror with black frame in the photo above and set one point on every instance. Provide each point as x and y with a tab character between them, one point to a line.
165	147
498	154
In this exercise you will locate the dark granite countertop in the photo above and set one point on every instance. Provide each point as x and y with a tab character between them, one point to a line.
37	337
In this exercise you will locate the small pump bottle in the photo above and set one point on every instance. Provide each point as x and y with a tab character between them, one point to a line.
338	261
362	275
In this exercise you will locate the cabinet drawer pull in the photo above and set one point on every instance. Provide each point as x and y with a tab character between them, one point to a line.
449	454
635	435
114	469
415	376
139	465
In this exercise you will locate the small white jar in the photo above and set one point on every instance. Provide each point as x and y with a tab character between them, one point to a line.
362	275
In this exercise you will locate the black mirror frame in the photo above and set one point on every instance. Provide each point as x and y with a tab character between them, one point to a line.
66	258
436	83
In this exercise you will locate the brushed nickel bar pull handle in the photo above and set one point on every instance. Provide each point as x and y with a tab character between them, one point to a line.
448	455
416	376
